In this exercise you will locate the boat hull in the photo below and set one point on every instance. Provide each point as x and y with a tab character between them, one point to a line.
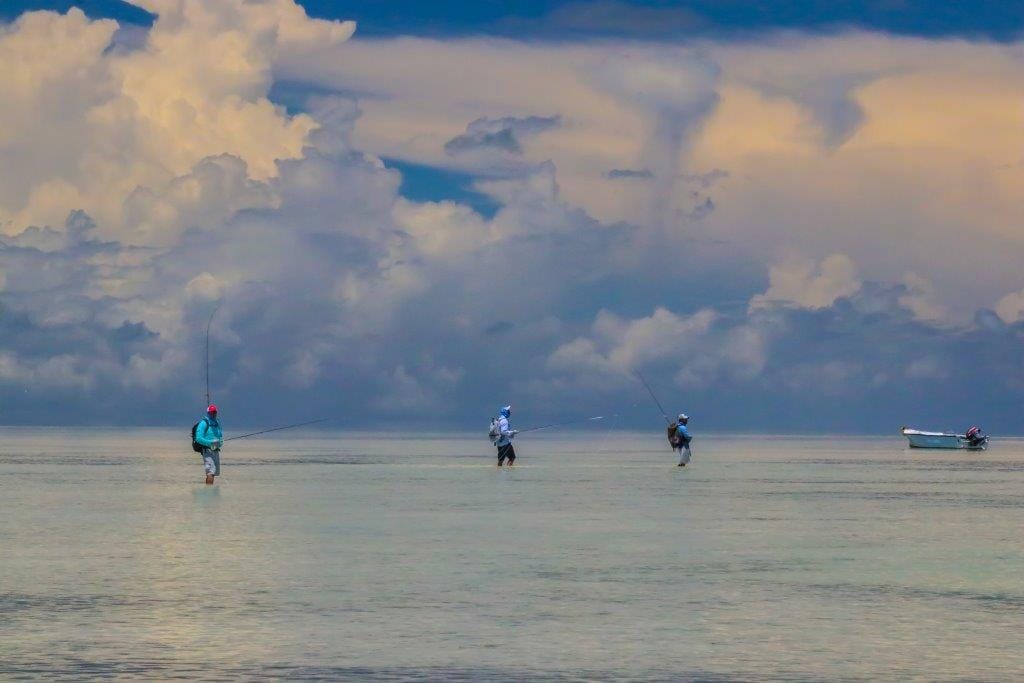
941	440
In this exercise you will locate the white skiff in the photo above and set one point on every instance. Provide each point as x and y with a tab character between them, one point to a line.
921	439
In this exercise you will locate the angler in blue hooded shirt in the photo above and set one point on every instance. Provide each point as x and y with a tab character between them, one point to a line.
505	435
680	439
210	436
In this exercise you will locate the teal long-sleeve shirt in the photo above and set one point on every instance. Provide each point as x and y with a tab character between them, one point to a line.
682	433
209	431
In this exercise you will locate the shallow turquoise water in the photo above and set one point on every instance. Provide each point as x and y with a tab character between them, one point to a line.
338	555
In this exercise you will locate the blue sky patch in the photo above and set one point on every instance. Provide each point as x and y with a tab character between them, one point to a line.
634	19
423	183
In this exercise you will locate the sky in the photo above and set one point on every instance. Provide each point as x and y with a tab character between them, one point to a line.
790	217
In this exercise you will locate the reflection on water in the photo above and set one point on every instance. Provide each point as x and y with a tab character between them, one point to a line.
356	556
206	495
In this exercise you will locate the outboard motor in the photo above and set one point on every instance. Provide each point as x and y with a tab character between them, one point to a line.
974	437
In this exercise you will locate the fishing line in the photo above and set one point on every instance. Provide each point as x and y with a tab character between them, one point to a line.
560	424
277	429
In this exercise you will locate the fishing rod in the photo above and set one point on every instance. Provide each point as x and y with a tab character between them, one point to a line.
560	424
651	392
208	323
277	429
668	422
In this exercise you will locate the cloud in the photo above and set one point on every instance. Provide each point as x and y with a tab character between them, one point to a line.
772	277
862	362
502	135
214	190
85	126
830	100
641	174
875	146
699	348
808	285
922	299
1010	308
677	95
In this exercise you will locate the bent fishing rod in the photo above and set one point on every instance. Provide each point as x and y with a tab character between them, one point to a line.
208	323
276	429
651	392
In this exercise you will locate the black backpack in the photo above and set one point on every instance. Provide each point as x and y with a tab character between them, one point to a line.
196	446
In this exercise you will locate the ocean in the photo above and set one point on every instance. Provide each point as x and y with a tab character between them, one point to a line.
333	555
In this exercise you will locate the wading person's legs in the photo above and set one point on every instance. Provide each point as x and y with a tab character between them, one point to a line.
211	463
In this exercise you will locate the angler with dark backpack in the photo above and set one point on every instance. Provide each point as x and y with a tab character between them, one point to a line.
207	438
679	438
501	436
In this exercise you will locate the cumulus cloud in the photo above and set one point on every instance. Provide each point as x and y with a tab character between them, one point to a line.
1010	308
698	348
922	299
878	147
809	285
864	359
317	260
214	190
85	127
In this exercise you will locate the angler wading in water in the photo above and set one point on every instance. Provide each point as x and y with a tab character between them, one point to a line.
207	439
207	436
502	435
679	437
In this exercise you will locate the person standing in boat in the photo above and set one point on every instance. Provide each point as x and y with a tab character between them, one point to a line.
210	437
680	438
505	435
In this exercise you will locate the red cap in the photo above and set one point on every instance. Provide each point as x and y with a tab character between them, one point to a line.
211	409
